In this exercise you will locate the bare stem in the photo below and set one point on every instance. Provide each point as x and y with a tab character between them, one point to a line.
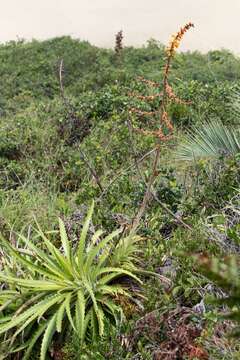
154	173
152	193
147	194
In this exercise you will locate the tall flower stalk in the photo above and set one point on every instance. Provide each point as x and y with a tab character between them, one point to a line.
165	127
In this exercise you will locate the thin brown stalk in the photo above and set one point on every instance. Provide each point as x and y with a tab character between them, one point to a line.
65	100
153	194
122	173
147	194
159	134
154	173
92	170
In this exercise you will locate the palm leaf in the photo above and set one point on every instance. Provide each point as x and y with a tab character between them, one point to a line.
209	140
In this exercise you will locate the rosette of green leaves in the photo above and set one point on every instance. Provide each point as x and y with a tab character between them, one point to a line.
61	290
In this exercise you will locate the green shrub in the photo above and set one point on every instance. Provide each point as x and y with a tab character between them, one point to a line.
209	185
224	274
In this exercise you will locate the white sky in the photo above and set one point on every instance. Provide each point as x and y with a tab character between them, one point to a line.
217	21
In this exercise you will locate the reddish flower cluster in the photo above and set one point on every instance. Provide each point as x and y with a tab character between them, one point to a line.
156	133
176	39
143	113
147	97
173	45
167	121
172	96
165	126
119	42
148	82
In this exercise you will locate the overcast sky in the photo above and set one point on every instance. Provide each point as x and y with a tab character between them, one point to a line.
217	21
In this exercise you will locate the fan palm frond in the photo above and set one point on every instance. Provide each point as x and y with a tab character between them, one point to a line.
210	140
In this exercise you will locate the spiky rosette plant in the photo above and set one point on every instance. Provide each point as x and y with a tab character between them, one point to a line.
56	290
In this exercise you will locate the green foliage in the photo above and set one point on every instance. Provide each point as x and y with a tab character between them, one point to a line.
225	274
46	148
52	291
212	185
168	190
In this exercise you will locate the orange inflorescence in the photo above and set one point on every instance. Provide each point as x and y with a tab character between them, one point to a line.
167	121
148	82
176	39
147	97
143	113
172	96
156	133
165	126
159	134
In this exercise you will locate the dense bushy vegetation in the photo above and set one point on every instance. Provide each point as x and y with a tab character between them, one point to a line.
67	137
